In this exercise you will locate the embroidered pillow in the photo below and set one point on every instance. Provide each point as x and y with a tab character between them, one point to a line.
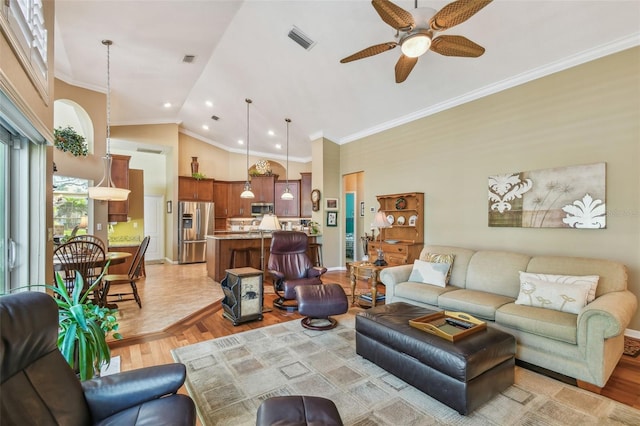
565	279
430	272
551	295
440	258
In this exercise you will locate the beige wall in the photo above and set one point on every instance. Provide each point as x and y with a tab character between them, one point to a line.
587	114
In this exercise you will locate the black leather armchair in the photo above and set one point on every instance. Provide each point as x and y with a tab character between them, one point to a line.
290	267
39	387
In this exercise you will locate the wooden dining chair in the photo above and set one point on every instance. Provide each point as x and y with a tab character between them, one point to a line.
84	257
91	238
112	281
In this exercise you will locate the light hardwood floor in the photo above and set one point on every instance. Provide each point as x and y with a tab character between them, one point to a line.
181	306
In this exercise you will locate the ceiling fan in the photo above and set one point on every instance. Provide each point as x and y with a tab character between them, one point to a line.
416	32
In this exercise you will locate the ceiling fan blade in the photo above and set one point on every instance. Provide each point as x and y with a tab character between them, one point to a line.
394	15
370	51
456	13
450	45
403	67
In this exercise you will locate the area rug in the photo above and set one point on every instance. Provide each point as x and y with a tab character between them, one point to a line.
631	346
230	376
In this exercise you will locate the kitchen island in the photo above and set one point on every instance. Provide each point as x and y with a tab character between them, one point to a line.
221	245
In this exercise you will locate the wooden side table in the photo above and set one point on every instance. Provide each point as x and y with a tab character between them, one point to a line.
364	270
243	294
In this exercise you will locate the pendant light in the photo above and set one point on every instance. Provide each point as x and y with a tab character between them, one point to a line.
287	195
108	192
247	186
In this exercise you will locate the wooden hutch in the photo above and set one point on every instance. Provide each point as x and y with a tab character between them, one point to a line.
404	240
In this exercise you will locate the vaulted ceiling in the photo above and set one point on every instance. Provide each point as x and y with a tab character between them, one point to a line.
242	50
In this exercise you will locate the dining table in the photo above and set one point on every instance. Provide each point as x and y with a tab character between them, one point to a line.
113	257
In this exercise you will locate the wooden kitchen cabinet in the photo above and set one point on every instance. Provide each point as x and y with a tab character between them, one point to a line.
236	206
403	241
123	268
263	188
305	195
221	200
119	210
190	189
287	208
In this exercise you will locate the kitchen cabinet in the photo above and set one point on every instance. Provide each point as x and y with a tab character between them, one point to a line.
221	200
119	210
287	208
236	206
136	197
263	188
190	189
305	195
123	268
403	241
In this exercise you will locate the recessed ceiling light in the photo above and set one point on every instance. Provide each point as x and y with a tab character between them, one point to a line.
278	146
167	104
205	127
240	142
271	133
209	103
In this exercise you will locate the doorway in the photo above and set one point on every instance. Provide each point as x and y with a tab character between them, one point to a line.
352	188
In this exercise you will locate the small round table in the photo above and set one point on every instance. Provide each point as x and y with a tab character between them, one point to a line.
364	270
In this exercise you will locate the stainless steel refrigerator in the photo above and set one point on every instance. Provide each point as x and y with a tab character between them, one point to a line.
195	222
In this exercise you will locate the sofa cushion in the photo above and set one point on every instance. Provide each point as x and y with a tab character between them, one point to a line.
434	273
477	303
439	258
496	272
459	268
592	280
555	325
423	293
552	295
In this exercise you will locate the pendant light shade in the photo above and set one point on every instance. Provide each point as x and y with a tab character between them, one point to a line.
106	190
247	193
287	195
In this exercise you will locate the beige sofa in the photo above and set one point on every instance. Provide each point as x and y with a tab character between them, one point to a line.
586	346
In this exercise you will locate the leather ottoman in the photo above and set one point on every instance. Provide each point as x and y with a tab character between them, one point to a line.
298	410
319	302
462	375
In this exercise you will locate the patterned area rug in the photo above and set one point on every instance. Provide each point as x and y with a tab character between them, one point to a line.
229	377
631	346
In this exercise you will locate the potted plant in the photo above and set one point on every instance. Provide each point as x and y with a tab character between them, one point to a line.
84	327
68	140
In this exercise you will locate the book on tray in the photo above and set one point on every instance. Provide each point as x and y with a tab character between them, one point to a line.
367	297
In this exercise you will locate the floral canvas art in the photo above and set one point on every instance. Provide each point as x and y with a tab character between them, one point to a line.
564	197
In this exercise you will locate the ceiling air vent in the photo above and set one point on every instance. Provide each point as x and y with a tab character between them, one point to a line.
301	38
187	59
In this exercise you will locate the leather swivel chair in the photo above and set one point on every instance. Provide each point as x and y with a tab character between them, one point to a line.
290	267
39	387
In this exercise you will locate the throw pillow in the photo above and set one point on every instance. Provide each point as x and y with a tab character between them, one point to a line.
565	279
430	272
550	295
440	258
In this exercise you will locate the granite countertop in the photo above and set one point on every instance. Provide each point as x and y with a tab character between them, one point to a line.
249	235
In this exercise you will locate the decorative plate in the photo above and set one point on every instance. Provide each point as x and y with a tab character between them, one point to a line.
412	220
390	218
401	204
401	220
392	241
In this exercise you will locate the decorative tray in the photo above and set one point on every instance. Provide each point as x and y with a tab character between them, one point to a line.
449	325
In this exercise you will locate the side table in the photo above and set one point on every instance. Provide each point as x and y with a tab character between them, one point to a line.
364	270
243	294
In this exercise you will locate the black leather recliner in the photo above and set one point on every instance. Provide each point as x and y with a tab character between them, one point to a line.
39	387
290	267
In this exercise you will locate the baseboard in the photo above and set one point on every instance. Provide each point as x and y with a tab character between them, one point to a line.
632	333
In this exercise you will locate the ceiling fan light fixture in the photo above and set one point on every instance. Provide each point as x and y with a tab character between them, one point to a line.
417	44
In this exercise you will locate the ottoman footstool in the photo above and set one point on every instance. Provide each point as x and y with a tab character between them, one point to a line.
318	302
298	410
461	375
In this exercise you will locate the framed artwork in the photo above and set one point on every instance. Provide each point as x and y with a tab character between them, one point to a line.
361	208
331	204
332	218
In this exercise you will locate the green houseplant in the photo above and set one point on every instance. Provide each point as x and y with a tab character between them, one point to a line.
84	327
68	140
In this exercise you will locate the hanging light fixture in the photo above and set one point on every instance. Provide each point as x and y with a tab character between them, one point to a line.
287	195
108	192
247	186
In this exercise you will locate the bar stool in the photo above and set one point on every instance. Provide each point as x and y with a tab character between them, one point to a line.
246	257
315	250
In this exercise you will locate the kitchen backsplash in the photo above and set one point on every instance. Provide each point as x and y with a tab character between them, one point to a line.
126	232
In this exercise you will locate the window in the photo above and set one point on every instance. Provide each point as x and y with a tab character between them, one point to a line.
70	207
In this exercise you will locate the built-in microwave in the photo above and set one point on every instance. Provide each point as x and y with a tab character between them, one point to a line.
260	209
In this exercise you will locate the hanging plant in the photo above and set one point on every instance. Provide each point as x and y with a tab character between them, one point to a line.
68	140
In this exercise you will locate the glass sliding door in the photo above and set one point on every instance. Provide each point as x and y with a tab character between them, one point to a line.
5	246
